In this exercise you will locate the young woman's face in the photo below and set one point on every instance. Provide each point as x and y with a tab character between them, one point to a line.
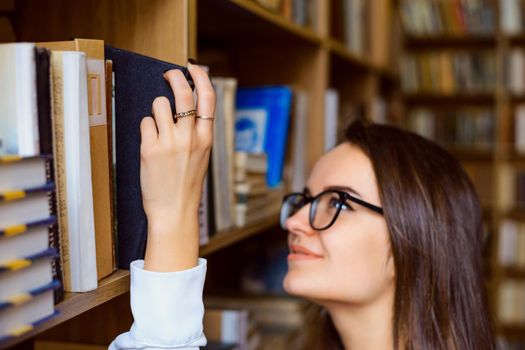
349	262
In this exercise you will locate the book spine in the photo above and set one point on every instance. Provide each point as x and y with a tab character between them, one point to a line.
60	170
54	237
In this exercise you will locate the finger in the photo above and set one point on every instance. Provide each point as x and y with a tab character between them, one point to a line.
183	97
163	116
205	102
148	130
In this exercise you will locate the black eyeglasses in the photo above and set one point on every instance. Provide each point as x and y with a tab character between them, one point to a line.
325	207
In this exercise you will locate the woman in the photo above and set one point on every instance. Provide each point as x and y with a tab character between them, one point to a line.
385	239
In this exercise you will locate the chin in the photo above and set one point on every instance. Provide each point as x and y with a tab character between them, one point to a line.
296	285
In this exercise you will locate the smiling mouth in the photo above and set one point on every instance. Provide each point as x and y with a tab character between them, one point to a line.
301	253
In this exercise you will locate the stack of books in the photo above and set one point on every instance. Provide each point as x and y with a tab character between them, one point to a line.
29	272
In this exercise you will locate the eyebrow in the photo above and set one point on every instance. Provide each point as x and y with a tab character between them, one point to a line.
339	188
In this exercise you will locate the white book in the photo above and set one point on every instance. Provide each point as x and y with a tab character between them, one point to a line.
519	129
22	281
73	170
33	241
331	117
516	72
510	16
299	147
18	100
223	152
20	318
26	173
508	240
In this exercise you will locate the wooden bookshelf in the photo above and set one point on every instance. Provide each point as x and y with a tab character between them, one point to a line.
256	46
502	102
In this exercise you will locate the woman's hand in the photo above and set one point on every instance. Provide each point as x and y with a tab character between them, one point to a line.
174	161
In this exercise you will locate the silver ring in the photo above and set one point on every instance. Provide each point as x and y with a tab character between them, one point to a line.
204	117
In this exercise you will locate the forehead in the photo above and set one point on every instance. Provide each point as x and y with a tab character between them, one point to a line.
345	165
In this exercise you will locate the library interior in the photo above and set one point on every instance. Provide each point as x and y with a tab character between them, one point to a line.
289	77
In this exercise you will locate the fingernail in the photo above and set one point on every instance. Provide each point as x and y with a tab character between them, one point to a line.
192	61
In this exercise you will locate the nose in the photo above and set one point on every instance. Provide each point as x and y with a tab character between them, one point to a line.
299	222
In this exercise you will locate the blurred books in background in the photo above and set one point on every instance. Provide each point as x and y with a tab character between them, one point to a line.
453	18
463	128
448	73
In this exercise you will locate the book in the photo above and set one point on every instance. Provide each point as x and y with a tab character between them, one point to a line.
262	122
24	205
20	319
73	170
297	169
25	239
331	116
99	146
519	129
24	173
18	108
223	152
138	81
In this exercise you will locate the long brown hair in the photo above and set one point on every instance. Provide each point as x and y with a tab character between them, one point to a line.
434	220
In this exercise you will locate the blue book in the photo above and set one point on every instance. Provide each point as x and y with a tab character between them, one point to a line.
262	122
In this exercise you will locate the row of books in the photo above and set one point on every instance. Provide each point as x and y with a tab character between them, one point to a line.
511	302
512	244
466	128
424	18
301	12
512	16
447	73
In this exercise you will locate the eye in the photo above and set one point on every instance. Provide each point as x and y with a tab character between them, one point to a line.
335	202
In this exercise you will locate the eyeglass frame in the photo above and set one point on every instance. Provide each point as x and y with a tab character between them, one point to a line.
343	196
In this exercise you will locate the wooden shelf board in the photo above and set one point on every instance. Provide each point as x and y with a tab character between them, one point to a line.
117	283
430	98
446	41
76	303
513	272
517	213
224	239
512	331
337	48
258	24
468	154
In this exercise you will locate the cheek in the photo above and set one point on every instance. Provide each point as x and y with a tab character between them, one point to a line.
360	263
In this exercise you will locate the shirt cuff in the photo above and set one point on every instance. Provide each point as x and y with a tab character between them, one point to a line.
167	306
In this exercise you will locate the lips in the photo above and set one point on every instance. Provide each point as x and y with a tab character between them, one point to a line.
298	252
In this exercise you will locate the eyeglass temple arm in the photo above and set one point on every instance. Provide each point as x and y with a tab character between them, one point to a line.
365	204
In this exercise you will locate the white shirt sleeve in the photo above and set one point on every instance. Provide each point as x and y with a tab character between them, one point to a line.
167	309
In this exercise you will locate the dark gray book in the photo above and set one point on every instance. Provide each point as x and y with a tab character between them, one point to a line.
138	81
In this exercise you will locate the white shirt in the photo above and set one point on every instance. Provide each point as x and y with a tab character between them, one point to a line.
167	309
